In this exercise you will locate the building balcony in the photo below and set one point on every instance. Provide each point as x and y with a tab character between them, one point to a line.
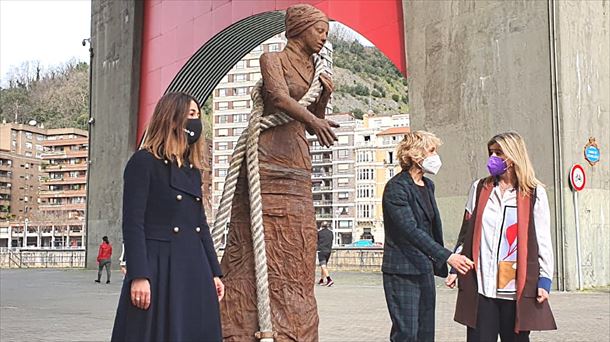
66	142
65	167
48	155
62	193
322	161
324	216
62	207
322	188
65	181
316	175
323	203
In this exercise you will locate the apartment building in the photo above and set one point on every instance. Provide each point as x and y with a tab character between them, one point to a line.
375	149
42	186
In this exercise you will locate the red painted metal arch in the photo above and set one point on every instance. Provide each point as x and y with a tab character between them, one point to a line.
175	30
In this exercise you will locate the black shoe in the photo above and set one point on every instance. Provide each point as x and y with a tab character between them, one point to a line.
107	281
330	283
321	281
97	281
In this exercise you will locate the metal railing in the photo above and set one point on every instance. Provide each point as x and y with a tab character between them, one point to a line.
356	259
41	258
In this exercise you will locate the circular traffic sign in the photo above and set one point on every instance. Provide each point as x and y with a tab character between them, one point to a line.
577	177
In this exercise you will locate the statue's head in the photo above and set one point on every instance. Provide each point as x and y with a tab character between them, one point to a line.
308	25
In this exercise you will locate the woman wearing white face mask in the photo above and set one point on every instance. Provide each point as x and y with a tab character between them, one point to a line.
413	249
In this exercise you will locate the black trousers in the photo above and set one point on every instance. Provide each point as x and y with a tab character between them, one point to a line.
411	301
496	316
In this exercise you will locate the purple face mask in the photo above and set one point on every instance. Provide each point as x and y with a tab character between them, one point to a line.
496	165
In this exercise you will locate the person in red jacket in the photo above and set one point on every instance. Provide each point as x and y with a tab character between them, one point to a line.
103	259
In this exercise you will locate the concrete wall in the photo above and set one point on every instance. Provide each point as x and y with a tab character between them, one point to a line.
477	68
116	30
583	84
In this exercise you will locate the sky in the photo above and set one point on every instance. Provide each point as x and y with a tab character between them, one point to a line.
48	31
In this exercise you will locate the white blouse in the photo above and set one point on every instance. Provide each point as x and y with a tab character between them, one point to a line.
498	239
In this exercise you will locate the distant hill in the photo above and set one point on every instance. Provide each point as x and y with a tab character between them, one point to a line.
365	79
58	97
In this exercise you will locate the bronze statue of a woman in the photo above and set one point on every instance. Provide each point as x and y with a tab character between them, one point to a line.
285	183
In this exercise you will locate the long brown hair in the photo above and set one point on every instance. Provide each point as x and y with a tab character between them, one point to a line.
513	147
165	137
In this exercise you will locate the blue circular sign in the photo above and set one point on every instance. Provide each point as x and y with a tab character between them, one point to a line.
592	154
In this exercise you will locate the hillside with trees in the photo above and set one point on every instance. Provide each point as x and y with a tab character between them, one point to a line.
365	79
57	97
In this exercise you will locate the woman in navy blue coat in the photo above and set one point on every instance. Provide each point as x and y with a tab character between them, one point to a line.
172	286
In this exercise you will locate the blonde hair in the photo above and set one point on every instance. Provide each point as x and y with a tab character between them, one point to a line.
414	147
513	147
165	137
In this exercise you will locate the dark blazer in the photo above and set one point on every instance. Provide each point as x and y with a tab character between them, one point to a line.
409	247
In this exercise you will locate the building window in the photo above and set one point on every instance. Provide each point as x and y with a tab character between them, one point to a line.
223	132
237	131
222	92
222	146
225	79
274	47
241	104
343	153
240	91
345	224
391	172
253	63
240	65
240	77
222	159
365	210
223	105
28	135
365	156
343	195
343	140
257	48
343	181
221	172
222	119
365	191
343	167
366	174
255	76
28	145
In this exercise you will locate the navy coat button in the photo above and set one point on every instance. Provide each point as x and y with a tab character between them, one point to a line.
179	197
191	166
166	161
197	229
176	229
197	199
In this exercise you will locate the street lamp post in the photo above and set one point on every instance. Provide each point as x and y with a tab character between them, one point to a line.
89	162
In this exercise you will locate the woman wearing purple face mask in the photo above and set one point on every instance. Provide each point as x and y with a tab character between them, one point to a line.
413	248
506	232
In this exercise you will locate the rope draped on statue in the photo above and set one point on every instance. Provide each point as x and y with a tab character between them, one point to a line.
247	146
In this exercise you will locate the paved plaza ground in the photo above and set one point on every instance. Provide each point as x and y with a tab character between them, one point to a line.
66	305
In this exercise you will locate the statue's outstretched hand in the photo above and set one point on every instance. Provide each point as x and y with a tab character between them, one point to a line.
323	129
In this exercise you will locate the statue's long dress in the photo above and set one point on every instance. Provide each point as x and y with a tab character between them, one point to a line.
289	223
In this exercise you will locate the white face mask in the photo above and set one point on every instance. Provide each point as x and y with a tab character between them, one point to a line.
431	164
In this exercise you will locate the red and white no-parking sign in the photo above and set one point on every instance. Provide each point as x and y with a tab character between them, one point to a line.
577	177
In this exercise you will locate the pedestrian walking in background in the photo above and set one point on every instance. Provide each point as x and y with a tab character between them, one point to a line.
325	245
506	231
104	256
413	248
